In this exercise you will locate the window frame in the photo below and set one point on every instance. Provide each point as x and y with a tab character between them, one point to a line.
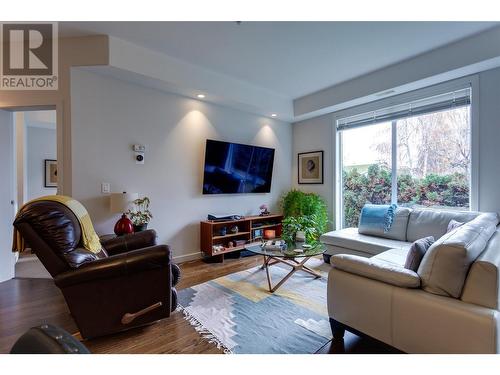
442	88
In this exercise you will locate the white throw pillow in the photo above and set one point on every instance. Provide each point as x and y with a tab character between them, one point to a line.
445	265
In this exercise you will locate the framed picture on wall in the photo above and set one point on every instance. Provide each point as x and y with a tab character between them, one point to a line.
50	173
310	167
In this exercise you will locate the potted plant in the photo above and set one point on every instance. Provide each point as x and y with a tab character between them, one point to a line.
297	227
140	215
302	210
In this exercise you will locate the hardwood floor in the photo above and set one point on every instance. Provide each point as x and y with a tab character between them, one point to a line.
25	303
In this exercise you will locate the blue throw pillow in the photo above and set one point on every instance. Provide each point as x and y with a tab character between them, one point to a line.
376	217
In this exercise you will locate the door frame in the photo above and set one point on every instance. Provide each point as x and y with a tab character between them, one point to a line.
14	175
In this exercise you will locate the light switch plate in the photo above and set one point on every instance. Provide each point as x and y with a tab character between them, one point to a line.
105	188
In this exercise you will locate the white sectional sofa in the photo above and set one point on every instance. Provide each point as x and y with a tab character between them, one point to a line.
409	225
449	305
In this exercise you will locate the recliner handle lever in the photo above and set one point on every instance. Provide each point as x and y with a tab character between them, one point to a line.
128	318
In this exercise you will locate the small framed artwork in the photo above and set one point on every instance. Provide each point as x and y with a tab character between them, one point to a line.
50	173
310	167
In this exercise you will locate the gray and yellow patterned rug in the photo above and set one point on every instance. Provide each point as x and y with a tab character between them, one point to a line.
238	313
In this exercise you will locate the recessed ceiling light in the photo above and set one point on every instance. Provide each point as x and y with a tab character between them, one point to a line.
274	115
200	96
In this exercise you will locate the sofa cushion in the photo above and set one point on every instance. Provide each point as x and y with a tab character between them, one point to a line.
417	252
453	224
349	238
376	269
332	250
397	230
445	265
482	286
394	256
426	222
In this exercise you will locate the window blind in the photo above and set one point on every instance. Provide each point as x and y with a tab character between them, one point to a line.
441	102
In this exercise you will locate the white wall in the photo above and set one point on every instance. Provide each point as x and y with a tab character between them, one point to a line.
6	195
318	133
489	140
41	144
21	162
109	115
315	135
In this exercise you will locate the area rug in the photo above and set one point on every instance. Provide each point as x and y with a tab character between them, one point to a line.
239	315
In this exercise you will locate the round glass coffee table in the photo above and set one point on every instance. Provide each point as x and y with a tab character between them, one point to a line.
288	256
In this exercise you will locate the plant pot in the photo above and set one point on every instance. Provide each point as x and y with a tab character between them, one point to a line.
300	236
140	228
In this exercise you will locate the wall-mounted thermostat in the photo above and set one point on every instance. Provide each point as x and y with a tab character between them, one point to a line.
139	151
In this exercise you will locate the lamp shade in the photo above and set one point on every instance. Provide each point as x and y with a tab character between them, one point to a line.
121	202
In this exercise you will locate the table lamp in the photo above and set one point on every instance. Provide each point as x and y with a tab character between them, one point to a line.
269	234
120	203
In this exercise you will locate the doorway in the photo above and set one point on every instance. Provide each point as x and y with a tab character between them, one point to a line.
7	197
28	150
36	155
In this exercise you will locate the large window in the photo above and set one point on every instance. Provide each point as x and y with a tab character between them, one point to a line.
416	155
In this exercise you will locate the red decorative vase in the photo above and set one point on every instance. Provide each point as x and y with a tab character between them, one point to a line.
124	226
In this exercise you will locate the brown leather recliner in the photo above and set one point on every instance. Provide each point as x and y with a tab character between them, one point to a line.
128	284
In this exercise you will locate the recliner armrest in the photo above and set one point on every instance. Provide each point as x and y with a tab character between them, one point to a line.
129	242
377	270
149	258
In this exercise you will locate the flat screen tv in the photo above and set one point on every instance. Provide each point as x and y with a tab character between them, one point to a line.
233	168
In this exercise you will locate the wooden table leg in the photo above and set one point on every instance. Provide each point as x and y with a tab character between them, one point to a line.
310	271
292	262
283	280
307	269
266	264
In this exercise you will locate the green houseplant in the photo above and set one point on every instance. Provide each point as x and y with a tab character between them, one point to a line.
306	224
305	212
140	215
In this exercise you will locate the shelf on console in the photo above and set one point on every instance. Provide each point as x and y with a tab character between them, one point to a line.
266	226
230	235
209	233
237	248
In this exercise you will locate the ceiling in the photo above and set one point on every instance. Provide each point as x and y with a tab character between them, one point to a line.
291	59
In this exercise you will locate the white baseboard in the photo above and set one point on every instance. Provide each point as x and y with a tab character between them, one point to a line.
187	257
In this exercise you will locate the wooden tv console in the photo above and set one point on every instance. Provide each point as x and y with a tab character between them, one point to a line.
248	231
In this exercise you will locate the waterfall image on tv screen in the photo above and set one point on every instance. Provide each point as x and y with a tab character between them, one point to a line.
232	168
